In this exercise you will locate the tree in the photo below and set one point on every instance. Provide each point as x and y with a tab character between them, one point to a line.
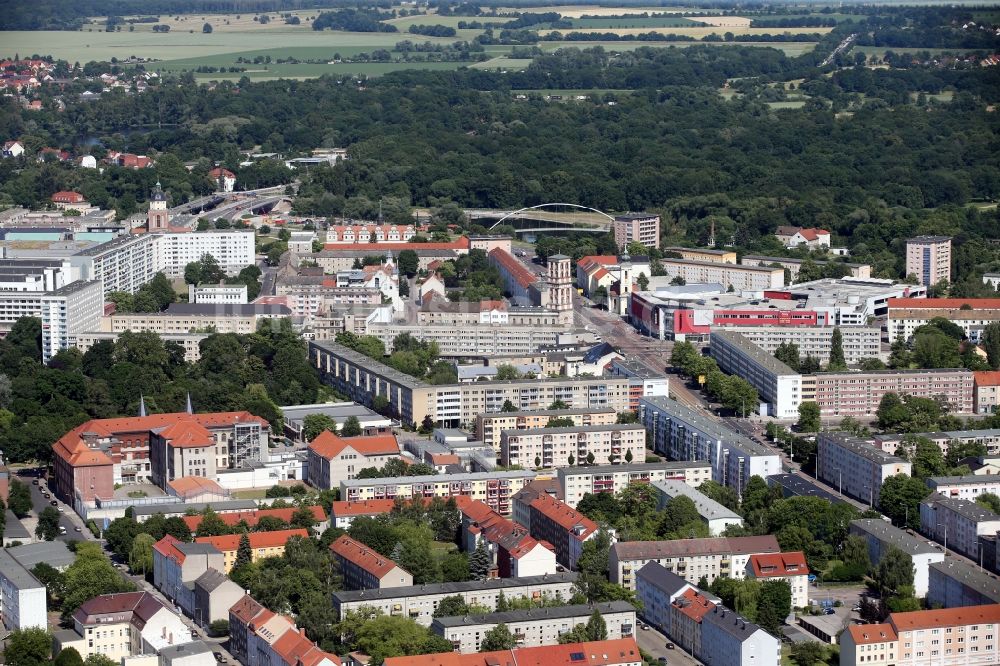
28	647
560	422
990	341
894	573
244	553
69	657
19	499
211	524
506	372
597	629
48	524
809	653
989	501
788	353
451	606
837	361
508	406
558	404
927	457
774	605
408	263
90	575
480	562
808	417
314	424
498	638
900	498
351	427
679	512
854	552
192	273
207	28
600	295
141	556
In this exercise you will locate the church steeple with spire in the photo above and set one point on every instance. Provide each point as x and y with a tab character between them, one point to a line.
158	218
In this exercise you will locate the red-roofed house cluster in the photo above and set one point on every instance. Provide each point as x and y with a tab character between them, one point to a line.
349	234
224	179
90	459
257	636
262	544
514	552
25	74
129	160
555	522
613	652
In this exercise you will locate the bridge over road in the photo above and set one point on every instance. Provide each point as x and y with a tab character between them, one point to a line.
537	218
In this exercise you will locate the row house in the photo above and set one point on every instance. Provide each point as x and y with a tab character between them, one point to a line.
364	569
567	529
262	544
260	637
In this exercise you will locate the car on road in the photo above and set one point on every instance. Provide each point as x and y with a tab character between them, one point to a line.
77	529
54	503
34	482
670	646
828	611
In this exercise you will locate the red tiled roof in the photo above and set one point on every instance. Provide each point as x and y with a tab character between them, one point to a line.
693	605
779	564
328	445
509	264
246	609
561	513
946	617
167	546
987	378
813	234
363	508
601	273
363	556
68	197
253	517
594	653
295	649
606	260
78	454
190	485
186	435
230	542
944	303
866	634
218	172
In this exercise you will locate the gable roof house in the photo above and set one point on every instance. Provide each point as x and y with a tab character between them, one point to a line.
332	459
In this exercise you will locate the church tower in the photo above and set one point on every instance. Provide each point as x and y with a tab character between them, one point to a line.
158	218
561	287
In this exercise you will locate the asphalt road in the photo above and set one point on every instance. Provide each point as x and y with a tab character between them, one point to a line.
655	644
75	529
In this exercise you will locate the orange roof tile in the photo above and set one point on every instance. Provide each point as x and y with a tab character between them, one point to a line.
167	546
251	518
188	485
328	445
363	508
510	265
295	649
363	556
946	617
230	542
595	653
246	609
607	260
693	605
813	234
987	377
944	303
779	564
866	634
561	513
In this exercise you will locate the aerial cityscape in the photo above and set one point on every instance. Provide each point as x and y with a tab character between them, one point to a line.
500	333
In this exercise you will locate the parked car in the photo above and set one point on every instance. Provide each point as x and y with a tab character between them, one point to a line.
670	646
54	503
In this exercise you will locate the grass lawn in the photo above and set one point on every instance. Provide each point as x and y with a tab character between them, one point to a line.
254	493
404	23
788	104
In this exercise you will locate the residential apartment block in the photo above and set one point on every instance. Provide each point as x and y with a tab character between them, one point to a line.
973	315
177	565
556	448
741	278
640	227
22	596
562	526
232	248
621	652
713	514
858	394
181	318
365	569
259	637
957	523
790	567
512	549
262	544
419	602
535	627
681	433
859	342
657	589
66	313
690	558
124	263
987	391
452	405
776	383
955	582
576	482
794	266
989	439
495	489
942	637
880	535
854	467
342	514
490	426
333	459
967	487
928	258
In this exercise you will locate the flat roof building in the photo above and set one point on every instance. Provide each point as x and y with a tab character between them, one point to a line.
854	467
713	514
881	534
776	383
954	582
575	482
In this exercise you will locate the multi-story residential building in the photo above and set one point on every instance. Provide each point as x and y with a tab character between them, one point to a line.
66	313
511	547
790	567
681	433
535	627
778	385
124	263
967	487
621	652
685	614
973	315
451	405
955	582
214	595
858	394
191	342
657	589
728	639
880	535
741	278
122	625
805	237
342	514
854	467
419	602
333	459
794	266
713	514
177	565
940	637
705	254
262	544
351	234
859	342
259	637
252	517
193	317
793	485
523	498
232	248
474	340
22	596
986	392
562	526
928	258
495	489
218	294
490	426
365	569
576	482
989	439
640	227
690	558
556	448
957	523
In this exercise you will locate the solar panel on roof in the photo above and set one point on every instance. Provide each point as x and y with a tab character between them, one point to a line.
577	656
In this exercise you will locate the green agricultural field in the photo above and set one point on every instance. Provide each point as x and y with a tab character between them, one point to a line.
791	49
648	22
339	69
881	50
502	62
403	23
